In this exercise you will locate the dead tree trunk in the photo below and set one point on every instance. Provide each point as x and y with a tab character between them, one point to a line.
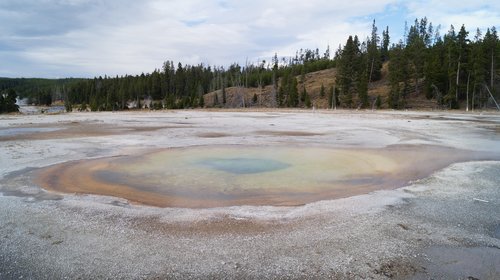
371	71
492	97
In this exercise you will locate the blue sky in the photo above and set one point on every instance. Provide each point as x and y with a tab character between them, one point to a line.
87	38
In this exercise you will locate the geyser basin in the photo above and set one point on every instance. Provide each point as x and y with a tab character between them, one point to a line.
200	177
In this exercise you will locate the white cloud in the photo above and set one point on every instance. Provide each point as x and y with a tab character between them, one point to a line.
94	37
473	14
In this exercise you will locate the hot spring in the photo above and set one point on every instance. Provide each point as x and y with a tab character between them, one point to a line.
216	176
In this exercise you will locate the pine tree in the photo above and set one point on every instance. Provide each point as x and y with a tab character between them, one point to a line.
398	77
435	72
347	70
8	101
2	104
451	60
307	101
492	50
462	74
281	94
224	95
294	94
363	90
331	98
374	56
326	55
274	97
303	94
378	102
384	52
479	65
416	49
201	101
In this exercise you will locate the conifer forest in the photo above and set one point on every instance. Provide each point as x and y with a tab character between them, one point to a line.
456	67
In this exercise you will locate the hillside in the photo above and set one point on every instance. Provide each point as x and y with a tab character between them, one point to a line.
239	96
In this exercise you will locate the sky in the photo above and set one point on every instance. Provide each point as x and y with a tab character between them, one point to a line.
89	38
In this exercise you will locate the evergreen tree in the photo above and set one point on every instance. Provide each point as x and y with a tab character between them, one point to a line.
374	56
274	96
462	74
492	51
435	72
416	49
293	91
451	60
363	90
347	70
384	52
303	94
201	101
156	90
378	102
478	61
331	98
180	81
307	101
326	55
398	77
2	103
224	99
304	97
8	101
281	95
284	90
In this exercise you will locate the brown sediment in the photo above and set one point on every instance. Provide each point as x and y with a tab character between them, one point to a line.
213	135
76	130
287	133
148	179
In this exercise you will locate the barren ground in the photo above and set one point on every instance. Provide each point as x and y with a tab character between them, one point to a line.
446	225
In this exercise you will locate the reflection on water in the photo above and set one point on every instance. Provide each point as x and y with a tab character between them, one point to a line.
235	175
244	165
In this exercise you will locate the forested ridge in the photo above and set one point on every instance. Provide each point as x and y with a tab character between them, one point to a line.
453	70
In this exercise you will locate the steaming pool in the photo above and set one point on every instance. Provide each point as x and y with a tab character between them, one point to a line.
216	176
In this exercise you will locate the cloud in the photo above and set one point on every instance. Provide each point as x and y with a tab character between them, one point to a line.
57	38
473	14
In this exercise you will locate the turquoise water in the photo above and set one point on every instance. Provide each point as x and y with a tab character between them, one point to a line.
225	176
246	175
242	165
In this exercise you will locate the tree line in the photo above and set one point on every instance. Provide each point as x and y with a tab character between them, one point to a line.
454	69
38	91
172	87
8	101
183	86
